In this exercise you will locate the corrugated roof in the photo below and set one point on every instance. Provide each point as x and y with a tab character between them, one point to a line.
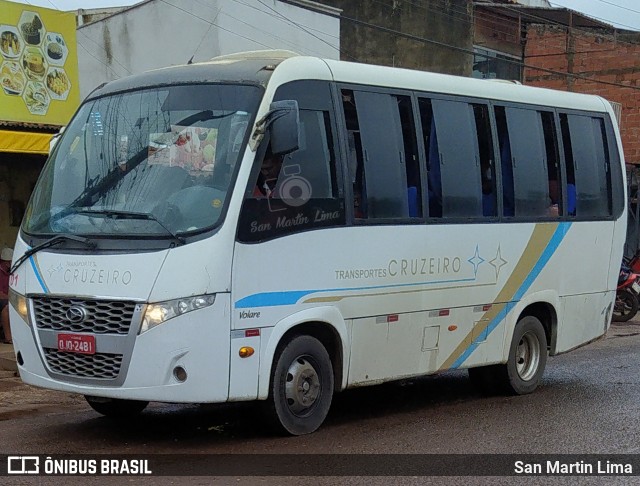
540	15
30	126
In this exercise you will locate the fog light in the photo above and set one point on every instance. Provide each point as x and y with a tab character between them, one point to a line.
180	373
246	351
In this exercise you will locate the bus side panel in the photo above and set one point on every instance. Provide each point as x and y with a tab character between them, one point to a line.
422	297
586	317
424	342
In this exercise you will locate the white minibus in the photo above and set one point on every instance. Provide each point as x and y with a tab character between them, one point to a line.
274	227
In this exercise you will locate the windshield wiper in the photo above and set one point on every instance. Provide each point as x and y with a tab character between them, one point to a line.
116	214
56	240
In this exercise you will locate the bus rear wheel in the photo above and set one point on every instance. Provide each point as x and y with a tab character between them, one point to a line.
116	407
527	357
522	372
301	387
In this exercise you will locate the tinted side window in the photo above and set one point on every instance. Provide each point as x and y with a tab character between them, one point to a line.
487	165
301	190
553	164
383	159
454	159
528	165
587	161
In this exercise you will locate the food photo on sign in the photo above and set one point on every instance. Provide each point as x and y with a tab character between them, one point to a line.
38	64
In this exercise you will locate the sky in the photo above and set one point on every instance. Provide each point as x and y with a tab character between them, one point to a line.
624	14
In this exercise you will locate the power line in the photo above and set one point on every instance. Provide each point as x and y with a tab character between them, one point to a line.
607	20
395	33
546	21
205	35
117	75
218	26
104	49
471	52
291	44
289	21
620	6
295	24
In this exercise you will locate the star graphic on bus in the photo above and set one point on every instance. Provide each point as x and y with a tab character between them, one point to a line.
476	260
498	262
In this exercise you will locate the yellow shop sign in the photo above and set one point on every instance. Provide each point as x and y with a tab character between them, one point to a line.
39	64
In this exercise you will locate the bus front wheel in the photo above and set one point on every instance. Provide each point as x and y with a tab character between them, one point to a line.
301	386
116	407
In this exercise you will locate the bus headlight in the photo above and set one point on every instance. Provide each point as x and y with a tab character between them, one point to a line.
163	311
19	303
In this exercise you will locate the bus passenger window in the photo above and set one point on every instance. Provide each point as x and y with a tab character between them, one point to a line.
434	182
487	167
383	156
458	158
586	155
553	164
508	203
569	167
528	164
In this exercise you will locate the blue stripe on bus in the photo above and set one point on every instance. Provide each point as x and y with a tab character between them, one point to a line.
546	255
38	276
272	299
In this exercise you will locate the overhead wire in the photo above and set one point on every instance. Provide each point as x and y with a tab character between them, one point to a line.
619	6
217	25
100	46
456	14
471	52
469	19
608	21
117	75
303	28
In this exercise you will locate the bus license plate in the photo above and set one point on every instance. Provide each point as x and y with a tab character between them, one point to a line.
77	343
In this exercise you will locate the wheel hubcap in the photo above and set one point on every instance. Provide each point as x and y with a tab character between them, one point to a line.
302	386
527	356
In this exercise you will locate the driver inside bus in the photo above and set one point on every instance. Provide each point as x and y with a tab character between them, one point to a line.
266	186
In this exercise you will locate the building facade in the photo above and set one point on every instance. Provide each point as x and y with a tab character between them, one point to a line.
39	93
155	34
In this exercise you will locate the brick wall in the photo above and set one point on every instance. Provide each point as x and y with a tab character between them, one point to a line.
595	56
369	33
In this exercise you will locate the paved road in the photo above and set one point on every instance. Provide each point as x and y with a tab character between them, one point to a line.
589	403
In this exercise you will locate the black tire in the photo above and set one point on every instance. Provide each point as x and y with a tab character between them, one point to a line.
301	387
116	407
525	365
625	306
527	358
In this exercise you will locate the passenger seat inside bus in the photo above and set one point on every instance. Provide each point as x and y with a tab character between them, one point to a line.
571	199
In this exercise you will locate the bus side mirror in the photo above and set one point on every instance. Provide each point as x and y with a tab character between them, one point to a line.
283	122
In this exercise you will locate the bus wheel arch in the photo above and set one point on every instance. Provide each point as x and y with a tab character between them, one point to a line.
328	337
306	366
548	317
534	335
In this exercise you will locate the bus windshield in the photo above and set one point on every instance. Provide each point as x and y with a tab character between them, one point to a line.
145	163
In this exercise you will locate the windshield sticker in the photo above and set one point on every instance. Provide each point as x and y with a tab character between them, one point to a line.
192	148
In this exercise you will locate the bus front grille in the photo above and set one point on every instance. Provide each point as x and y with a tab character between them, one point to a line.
100	317
99	365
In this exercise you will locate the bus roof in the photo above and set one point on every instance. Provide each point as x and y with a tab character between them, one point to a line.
348	72
257	67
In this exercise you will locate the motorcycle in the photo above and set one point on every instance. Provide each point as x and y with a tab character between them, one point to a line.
633	263
626	304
